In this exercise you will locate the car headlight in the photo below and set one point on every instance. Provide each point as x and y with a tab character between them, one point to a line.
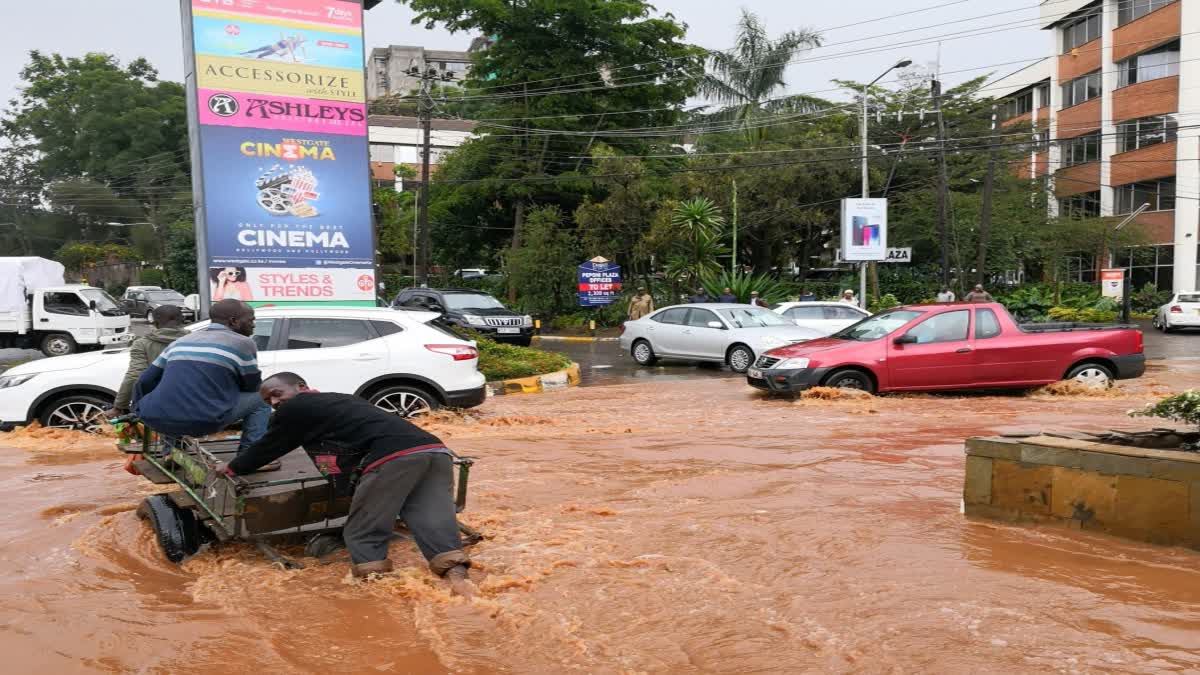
791	364
474	320
527	321
7	381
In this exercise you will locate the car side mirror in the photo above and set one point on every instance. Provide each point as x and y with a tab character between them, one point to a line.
716	324
92	305
906	339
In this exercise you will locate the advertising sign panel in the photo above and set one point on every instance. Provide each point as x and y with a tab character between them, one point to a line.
599	283
1112	283
864	229
898	255
279	150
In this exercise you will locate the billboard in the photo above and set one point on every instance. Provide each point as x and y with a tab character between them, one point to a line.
279	151
1112	283
599	283
864	230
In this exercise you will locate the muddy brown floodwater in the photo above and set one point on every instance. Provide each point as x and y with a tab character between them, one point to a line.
668	527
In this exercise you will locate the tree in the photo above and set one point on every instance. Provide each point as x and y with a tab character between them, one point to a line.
105	140
543	267
556	75
744	79
701	231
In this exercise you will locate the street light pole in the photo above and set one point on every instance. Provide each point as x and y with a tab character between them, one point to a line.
421	252
866	179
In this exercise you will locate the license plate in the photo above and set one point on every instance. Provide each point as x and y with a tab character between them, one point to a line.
755	373
508	331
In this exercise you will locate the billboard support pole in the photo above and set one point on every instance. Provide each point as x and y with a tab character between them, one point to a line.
198	214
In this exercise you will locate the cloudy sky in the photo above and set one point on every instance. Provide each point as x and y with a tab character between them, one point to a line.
862	37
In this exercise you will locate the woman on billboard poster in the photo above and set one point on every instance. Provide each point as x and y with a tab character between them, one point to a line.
229	283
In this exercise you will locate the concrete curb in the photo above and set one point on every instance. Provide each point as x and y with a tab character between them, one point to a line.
574	338
568	377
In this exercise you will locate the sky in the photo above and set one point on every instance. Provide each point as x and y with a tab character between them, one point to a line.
994	36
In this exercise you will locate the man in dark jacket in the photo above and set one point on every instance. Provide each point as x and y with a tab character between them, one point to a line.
168	327
700	296
207	380
397	469
727	297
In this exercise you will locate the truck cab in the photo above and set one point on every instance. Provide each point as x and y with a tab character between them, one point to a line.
65	319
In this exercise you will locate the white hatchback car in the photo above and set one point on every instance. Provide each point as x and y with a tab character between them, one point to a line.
1183	311
395	360
826	317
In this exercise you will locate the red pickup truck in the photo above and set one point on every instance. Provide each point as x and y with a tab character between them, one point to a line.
952	346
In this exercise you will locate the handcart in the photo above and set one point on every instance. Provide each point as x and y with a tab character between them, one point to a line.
296	504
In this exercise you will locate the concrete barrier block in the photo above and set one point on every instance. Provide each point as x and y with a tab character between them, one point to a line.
1024	487
978	487
1087	498
996	448
1153	509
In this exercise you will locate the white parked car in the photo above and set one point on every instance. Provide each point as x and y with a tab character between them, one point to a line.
395	360
718	333
1183	311
826	317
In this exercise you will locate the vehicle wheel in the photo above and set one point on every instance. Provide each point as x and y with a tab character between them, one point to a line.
1091	375
643	353
850	379
149	316
324	544
82	412
59	344
1166	327
740	358
404	400
177	530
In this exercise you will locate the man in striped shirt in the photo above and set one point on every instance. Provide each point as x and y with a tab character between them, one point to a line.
208	380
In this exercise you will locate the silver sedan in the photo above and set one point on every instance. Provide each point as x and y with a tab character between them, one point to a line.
719	333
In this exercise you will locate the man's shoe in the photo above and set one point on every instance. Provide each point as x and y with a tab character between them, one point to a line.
364	570
460	582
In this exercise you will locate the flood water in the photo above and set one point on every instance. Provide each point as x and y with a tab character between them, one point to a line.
682	527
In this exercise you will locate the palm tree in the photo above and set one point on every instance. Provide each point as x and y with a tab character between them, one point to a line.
742	80
702	228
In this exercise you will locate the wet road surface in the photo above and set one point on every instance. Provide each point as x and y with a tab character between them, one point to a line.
679	527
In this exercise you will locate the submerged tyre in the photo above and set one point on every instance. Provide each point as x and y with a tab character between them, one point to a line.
178	532
1092	375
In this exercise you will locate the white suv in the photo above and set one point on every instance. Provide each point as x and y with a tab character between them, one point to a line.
395	360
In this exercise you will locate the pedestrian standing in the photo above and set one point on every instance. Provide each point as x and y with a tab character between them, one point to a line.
945	295
807	295
977	294
727	296
700	296
848	297
641	304
757	301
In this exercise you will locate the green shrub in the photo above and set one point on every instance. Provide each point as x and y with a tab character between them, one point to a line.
1148	299
769	289
1086	315
1183	407
888	301
499	361
153	277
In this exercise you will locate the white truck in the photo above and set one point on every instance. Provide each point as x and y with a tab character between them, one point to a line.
39	310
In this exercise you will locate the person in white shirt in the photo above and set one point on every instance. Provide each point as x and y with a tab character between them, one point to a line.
946	295
848	297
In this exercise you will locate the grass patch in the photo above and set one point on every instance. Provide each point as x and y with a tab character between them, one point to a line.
504	362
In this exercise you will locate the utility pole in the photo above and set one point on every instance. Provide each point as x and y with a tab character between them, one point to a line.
985	215
421	255
943	226
866	176
733	262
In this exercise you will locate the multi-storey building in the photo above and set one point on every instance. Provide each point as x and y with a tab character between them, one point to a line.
1116	117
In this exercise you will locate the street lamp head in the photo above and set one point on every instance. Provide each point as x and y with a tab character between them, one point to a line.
903	63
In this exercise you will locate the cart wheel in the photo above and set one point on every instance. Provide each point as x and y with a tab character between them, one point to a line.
323	545
177	530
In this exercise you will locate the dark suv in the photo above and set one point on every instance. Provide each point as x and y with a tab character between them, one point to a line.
470	309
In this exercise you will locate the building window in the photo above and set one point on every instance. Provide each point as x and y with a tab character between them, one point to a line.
1081	149
1081	89
1017	105
1132	10
1146	131
381	152
1043	95
1082	30
1153	265
1082	205
1159	194
1151	65
1081	268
